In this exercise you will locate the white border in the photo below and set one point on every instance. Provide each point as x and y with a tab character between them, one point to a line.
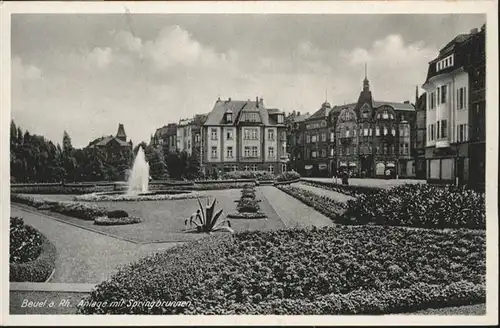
489	7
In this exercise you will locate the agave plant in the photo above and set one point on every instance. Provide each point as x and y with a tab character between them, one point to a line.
207	220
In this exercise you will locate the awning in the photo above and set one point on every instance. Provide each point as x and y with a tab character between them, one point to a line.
323	166
343	164
352	164
308	167
390	165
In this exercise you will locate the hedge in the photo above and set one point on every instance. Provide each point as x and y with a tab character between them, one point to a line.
37	270
421	205
350	190
288	176
59	189
332	270
257	175
25	241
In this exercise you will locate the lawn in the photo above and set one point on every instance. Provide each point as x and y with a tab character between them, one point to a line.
163	221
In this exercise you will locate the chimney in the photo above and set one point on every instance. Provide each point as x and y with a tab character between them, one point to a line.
218	98
473	31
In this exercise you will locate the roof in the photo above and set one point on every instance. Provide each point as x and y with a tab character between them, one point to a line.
107	140
273	110
121	131
321	113
458	39
339	108
216	116
395	105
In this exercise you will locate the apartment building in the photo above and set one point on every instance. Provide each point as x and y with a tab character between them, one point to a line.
455	111
165	137
244	135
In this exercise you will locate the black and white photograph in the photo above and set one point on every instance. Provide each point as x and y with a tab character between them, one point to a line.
324	164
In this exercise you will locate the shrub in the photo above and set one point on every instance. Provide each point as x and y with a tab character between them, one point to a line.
37	270
247	215
421	205
207	220
288	176
59	189
117	214
248	205
106	220
25	241
332	270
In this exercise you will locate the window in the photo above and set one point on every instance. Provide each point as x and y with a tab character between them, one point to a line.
308	138
332	151
385	115
254	167
365	132
314	154
214	134
385	149
378	149
377	131
283	151
438	97
314	138
229	152
438	129
385	130
196	138
270	152
270	169
444	129
461	98
229	134
443	94
432	100
270	134
393	131
353	132
323	153
370	132
347	132
433	132
323	136
462	133
332	136
247	167
280	118
347	150
340	150
254	151
254	134
214	152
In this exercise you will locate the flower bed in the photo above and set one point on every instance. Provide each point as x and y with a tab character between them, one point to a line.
84	211
421	205
248	206
124	197
105	220
333	270
32	256
288	176
329	207
247	215
354	191
257	175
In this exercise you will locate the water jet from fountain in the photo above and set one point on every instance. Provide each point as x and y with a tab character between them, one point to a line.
139	176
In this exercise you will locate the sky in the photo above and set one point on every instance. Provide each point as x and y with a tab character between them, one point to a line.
87	73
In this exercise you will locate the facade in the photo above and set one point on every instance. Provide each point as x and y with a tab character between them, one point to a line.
420	133
244	135
166	137
366	138
319	138
295	127
455	112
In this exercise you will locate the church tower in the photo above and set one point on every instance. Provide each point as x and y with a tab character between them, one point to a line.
121	133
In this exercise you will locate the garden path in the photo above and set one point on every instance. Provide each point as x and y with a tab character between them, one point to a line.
323	192
292	212
84	256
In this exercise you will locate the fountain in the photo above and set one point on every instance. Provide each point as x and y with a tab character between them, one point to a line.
139	176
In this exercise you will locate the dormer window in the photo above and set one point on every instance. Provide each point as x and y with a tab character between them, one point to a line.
444	63
280	118
229	116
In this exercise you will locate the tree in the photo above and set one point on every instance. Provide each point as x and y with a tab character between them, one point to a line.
193	170
68	157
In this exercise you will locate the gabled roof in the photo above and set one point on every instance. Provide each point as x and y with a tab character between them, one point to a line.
395	105
107	140
237	107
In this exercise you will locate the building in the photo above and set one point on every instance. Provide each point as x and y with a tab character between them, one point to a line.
244	135
420	133
295	140
166	137
319	136
113	144
455	112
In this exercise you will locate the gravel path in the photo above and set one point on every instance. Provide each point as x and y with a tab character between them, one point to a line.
324	192
292	212
84	256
